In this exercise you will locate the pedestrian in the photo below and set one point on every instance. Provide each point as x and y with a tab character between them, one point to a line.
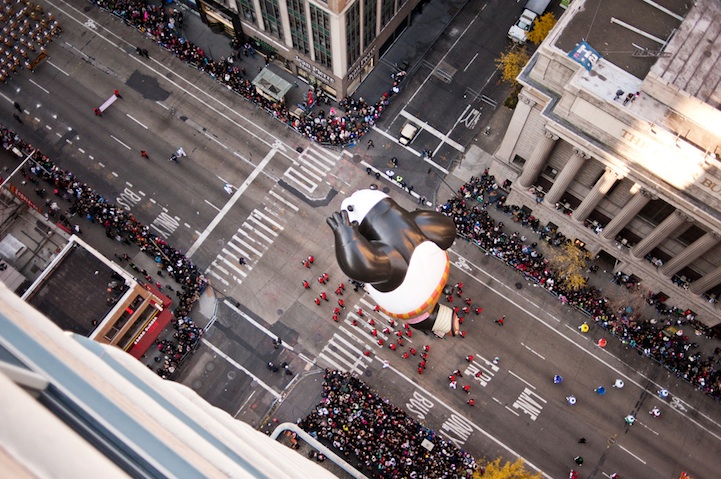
335	318
372	321
321	280
228	187
571	400
635	96
469	301
339	292
97	112
181	151
453	385
478	311
619	94
317	301
17	118
370	144
457	372
578	460
306	285
139	51
413	351
471	402
324	296
469	358
117	94
582	440
426	348
496	360
618	384
341	303
628	98
386	364
144	154
306	264
242	261
311	259
325	276
17	107
467	389
360	312
145	53
500	320
342	286
392	346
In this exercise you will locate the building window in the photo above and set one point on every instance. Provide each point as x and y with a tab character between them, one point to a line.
518	161
691	234
550	172
387	11
298	28
271	17
656	211
320	26
352	38
245	7
369	22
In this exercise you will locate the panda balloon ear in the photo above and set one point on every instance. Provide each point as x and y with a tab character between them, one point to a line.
350	208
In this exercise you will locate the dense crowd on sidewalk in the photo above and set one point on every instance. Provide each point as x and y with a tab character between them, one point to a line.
119	224
469	211
163	24
379	438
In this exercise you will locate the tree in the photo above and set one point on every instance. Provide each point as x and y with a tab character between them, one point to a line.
494	470
541	26
570	263
511	62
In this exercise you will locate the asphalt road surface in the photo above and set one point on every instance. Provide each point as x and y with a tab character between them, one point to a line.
275	217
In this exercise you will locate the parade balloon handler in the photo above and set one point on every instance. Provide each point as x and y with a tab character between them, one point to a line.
399	255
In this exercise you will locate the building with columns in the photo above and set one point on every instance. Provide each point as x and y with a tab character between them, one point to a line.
331	44
616	141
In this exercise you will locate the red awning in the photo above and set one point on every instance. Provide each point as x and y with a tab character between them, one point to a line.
151	333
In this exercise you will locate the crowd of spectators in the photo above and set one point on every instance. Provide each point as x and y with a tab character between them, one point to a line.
163	24
26	29
119	224
661	339
184	341
380	438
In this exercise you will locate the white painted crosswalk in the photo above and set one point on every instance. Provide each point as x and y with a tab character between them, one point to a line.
253	238
313	165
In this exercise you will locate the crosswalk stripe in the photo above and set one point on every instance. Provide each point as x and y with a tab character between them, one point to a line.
284	201
216	275
338	358
353	347
268	219
217	266
262	225
332	362
236	248
255	230
274	214
293	175
247	236
240	271
313	170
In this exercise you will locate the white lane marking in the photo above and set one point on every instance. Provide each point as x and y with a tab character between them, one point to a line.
521	379
57	67
114	174
152	201
81	150
129	184
211	204
114	138
46	126
257	325
631	454
469	63
220	353
137	121
247	400
433	131
509	296
160	104
236	196
415	152
511	410
534	352
35	83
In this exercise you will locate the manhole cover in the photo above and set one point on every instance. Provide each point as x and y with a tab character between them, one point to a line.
279	312
357	158
210	366
197	384
231	375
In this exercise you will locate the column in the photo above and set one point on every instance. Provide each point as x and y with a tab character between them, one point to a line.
659	233
627	213
706	282
595	195
534	165
566	176
690	253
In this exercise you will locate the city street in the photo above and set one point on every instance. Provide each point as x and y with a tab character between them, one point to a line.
251	188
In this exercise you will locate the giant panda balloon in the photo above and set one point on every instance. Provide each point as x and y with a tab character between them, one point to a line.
399	255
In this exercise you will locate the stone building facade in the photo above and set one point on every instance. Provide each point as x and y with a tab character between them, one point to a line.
616	141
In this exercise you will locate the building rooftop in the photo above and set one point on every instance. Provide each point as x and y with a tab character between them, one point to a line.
620	29
694	61
74	293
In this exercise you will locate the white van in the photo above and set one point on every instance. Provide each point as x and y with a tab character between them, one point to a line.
408	133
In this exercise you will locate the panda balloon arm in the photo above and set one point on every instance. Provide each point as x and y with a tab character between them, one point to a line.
362	260
437	227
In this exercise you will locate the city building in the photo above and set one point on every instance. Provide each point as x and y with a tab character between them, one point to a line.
74	408
615	142
331	44
108	305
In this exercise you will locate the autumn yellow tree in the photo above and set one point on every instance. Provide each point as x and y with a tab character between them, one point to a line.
516	470
570	263
511	62
541	26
